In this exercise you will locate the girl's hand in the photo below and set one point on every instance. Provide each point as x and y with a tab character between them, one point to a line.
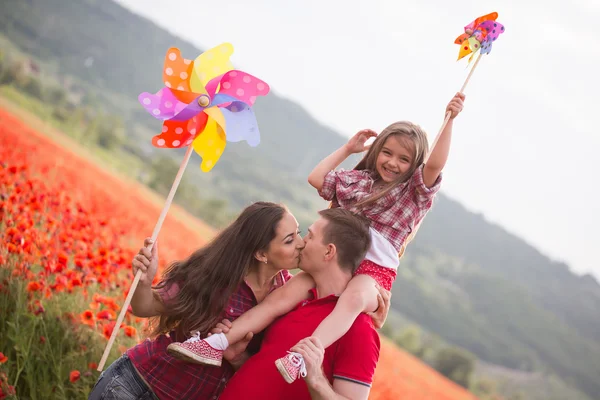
221	327
356	144
146	261
456	105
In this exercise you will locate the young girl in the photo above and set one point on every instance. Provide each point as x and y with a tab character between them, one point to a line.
394	188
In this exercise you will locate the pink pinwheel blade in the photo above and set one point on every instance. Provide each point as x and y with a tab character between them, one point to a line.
243	86
493	28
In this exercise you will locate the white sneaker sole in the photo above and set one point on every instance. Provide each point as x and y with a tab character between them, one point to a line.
182	353
283	371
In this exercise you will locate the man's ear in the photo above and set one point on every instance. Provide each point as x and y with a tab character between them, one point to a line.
330	252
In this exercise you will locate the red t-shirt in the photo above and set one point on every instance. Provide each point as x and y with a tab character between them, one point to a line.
353	357
173	379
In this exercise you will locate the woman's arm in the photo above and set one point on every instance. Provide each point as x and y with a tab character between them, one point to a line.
145	302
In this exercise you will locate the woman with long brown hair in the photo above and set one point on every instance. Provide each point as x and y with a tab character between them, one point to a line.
234	272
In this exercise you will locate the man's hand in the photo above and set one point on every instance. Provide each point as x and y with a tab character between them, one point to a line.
313	353
235	353
383	306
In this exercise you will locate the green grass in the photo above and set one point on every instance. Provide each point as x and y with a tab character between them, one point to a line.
43	349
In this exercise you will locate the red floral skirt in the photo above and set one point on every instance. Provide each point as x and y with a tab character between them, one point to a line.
383	276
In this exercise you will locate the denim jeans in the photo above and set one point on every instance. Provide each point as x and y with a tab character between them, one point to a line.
120	381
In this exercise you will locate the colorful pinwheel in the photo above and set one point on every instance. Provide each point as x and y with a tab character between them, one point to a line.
205	103
479	36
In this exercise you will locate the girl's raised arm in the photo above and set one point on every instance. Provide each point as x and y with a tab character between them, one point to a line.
439	154
356	144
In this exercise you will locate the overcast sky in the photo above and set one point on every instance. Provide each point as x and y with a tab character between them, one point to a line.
523	149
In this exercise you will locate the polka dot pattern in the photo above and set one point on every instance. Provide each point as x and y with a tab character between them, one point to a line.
162	105
209	65
478	21
210	145
186	122
241	125
176	70
482	32
243	86
494	30
175	134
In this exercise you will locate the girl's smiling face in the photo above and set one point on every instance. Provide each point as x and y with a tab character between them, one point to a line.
395	158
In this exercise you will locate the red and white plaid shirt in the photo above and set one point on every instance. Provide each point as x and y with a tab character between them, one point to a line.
394	215
174	379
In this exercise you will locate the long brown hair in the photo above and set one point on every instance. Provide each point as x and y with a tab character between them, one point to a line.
410	134
209	276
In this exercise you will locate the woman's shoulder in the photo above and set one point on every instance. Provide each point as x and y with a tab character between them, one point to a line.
283	276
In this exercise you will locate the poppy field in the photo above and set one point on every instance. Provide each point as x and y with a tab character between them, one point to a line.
68	232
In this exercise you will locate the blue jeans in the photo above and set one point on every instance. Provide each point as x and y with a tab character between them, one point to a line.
121	381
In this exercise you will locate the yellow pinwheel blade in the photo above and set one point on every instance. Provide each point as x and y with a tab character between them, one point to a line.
209	65
210	144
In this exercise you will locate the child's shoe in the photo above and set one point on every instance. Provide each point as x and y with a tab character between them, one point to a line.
197	351
291	367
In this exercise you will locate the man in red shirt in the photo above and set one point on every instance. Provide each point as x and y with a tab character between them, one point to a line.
334	246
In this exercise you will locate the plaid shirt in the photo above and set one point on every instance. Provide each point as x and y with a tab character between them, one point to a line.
394	215
171	378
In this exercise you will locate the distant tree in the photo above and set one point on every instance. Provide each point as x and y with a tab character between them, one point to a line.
110	132
456	364
386	330
12	75
484	389
34	87
410	340
516	396
2	64
164	170
56	95
215	212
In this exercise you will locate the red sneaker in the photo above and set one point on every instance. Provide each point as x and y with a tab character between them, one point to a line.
197	351
291	367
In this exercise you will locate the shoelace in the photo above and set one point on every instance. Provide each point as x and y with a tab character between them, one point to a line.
195	337
297	361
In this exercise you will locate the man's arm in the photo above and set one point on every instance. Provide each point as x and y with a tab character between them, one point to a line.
312	352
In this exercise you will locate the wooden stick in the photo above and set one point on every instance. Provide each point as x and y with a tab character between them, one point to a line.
138	275
462	89
446	119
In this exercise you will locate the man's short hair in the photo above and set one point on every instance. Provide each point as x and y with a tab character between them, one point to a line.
349	233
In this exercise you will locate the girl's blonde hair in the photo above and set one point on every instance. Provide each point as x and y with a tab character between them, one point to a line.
410	135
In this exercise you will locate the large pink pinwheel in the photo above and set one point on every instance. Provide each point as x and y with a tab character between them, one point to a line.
205	103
